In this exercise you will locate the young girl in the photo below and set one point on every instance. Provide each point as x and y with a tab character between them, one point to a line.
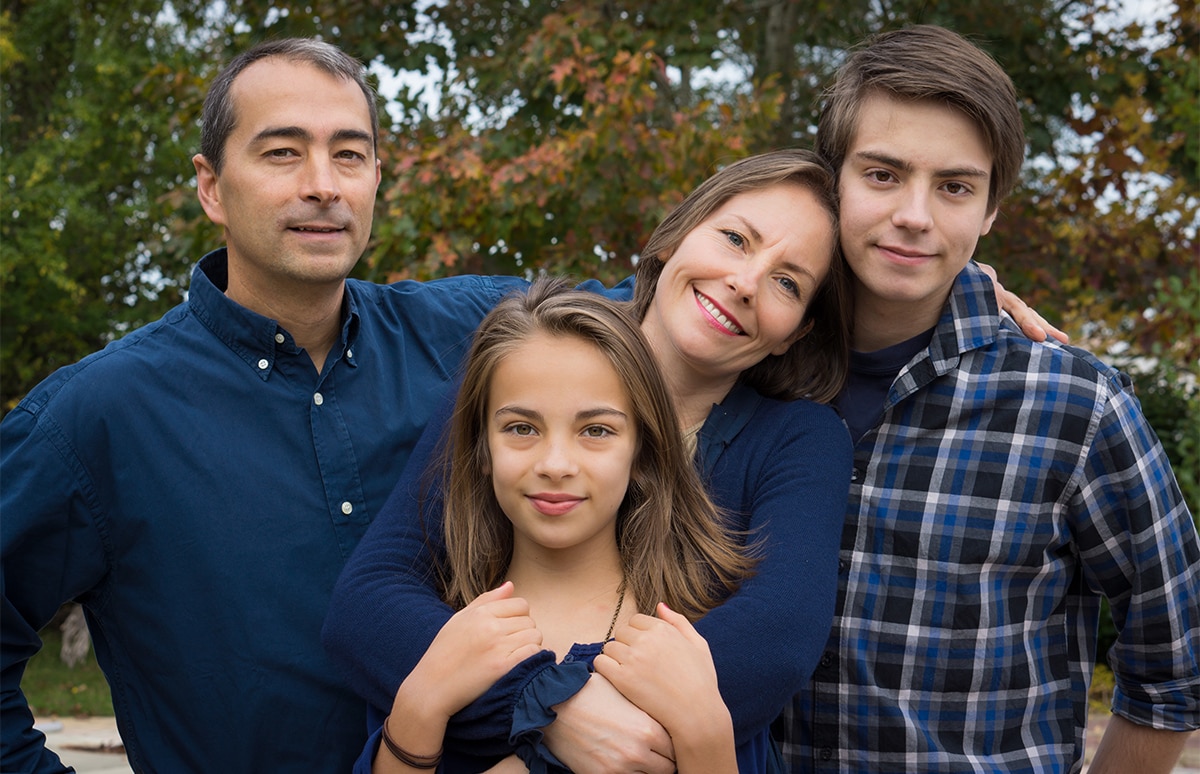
570	506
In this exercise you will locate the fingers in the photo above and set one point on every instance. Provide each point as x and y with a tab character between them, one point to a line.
503	591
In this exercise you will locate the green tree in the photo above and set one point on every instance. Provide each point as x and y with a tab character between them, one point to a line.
563	131
96	141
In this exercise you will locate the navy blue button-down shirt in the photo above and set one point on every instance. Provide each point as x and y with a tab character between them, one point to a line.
197	485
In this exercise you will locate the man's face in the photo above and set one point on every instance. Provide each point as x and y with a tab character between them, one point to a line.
297	190
914	196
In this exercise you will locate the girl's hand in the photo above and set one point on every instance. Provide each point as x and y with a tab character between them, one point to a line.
476	647
663	665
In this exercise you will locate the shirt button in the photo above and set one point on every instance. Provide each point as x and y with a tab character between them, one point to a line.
347	508
855	475
349	352
826	753
318	398
262	364
826	660
278	338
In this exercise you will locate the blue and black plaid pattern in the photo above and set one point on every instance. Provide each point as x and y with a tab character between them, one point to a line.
1009	485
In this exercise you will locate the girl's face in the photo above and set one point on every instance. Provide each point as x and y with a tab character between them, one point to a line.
737	287
562	436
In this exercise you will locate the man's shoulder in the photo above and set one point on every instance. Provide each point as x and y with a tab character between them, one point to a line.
464	289
109	373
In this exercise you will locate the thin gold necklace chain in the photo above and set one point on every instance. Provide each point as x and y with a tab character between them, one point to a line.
616	613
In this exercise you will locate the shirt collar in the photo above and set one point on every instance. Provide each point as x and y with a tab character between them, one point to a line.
725	421
970	319
255	339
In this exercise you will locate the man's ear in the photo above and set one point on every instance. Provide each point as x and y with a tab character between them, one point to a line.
208	190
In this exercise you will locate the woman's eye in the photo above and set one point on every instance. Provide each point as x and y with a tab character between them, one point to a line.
735	239
789	284
521	429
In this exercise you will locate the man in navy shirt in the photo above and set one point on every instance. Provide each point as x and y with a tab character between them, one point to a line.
198	484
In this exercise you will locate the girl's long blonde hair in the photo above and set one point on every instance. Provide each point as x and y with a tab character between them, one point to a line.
672	539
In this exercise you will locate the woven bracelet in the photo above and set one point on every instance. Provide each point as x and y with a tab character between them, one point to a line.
407	758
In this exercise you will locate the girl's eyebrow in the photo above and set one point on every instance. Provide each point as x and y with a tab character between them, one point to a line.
528	413
603	411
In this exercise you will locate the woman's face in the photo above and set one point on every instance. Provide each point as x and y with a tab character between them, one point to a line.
737	287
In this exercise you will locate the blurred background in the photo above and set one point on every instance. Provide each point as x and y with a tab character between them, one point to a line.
527	135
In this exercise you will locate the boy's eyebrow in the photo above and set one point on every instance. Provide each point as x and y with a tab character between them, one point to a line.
904	166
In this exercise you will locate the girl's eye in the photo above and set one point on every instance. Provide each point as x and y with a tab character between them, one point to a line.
735	239
521	429
596	431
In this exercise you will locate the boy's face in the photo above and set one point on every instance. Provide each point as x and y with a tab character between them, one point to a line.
914	196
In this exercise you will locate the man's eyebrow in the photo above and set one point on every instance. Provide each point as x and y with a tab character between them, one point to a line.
300	133
904	166
281	132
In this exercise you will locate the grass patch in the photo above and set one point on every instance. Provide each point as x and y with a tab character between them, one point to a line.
53	688
1101	692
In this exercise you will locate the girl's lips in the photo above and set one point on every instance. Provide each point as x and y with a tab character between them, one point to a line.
554	503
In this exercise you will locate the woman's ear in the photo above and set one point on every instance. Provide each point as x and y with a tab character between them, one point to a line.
800	333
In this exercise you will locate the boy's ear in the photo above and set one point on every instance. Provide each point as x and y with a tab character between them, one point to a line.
989	220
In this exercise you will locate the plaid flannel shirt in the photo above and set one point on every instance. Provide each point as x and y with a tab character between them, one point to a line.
1008	486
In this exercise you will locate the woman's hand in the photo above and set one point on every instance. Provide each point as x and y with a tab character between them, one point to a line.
599	731
1032	324
664	666
510	765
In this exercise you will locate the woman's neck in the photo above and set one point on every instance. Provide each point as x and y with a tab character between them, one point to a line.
693	392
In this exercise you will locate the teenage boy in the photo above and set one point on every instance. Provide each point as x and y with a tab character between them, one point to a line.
1002	487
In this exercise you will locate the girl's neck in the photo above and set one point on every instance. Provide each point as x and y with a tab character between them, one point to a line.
570	601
